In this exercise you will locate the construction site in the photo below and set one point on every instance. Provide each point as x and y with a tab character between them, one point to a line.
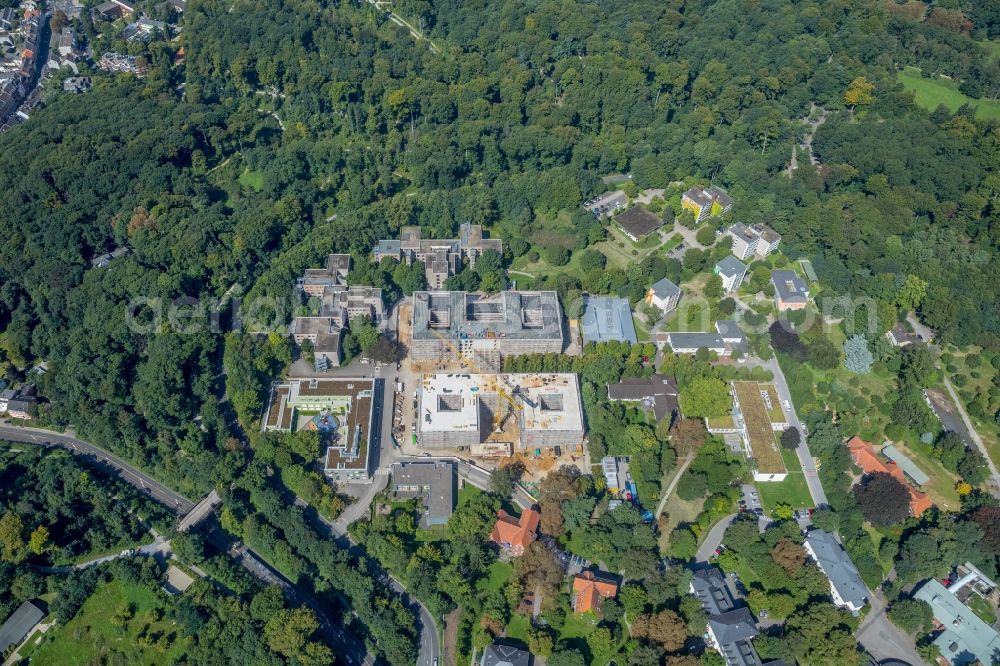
500	415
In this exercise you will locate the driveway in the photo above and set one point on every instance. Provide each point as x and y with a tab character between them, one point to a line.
882	639
714	538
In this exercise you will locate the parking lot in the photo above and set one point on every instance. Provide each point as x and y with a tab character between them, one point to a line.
750	499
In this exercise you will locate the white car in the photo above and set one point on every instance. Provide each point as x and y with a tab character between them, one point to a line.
786	404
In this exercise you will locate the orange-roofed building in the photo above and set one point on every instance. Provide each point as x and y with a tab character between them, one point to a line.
589	592
865	457
515	534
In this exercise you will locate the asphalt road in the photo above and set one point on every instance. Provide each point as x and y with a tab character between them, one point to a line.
881	638
805	456
348	648
175	501
713	539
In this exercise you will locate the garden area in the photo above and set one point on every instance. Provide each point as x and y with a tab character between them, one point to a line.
120	623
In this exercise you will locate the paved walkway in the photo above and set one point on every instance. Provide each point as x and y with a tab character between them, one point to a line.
994	481
673	483
881	638
714	538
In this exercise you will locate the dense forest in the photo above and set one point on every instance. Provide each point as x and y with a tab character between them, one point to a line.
294	128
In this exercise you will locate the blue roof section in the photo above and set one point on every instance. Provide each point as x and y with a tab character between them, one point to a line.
908	466
607	318
965	638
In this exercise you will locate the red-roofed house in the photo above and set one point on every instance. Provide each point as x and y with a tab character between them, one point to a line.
515	534
589	592
865	457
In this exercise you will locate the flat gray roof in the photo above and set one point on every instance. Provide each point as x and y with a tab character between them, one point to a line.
607	318
433	482
525	315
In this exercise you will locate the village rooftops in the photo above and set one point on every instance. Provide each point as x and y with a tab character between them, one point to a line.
733	625
530	315
607	318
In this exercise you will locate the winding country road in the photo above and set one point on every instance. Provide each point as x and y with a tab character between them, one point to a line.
994	473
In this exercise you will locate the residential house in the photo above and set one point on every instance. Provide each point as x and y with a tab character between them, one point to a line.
505	655
732	271
767	239
515	534
846	587
702	203
324	335
727	339
637	222
433	483
19	624
731	627
590	591
77	85
790	291
731	634
910	469
442	258
664	294
658	393
113	10
900	337
869	462
143	30
960	635
607	318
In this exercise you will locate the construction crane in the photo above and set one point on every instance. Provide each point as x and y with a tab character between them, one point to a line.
512	405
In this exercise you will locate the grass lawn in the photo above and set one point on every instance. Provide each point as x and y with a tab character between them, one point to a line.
678	511
792	491
982	608
577	626
941	486
500	575
993	45
930	93
92	637
253	180
467	492
518	627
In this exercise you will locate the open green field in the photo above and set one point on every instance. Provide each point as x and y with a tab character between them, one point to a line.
500	575
792	491
518	627
253	180
931	93
99	634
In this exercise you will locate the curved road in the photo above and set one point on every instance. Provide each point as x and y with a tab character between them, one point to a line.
147	484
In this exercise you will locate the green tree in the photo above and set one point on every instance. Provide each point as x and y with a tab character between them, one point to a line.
705	397
913	616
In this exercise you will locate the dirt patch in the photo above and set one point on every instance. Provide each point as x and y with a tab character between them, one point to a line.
451	637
